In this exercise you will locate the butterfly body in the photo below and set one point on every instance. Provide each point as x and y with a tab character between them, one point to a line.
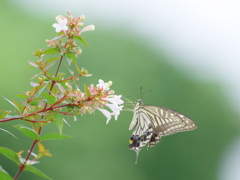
152	122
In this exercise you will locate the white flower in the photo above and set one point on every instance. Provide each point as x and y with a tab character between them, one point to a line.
106	113
115	108
104	86
88	28
28	162
61	25
115	100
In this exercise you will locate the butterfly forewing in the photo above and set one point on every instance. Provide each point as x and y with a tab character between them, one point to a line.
152	122
166	121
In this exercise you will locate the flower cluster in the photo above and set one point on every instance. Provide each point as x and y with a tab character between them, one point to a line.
97	97
71	26
114	102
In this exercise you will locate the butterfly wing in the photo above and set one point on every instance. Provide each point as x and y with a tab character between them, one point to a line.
143	132
166	121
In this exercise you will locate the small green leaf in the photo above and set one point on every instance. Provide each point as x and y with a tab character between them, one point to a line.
50	65
28	132
38	53
11	103
68	59
59	122
52	59
50	98
17	105
78	69
33	103
51	51
8	132
86	90
41	90
56	78
33	64
10	154
73	57
3	114
36	171
82	40
4	176
54	136
13	116
21	95
41	86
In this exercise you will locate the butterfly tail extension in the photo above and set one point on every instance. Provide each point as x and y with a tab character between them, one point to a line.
137	153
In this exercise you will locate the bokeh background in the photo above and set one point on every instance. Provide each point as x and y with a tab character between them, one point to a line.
186	52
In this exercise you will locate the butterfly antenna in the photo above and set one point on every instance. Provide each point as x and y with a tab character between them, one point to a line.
147	93
141	92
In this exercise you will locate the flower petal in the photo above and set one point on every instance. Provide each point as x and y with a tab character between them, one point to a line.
106	113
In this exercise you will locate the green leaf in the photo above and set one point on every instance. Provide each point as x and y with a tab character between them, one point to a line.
20	107
33	64
36	171
86	90
38	53
59	122
4	176
51	51
3	114
68	59
33	103
54	136
13	116
73	57
78	69
8	132
41	90
21	95
82	40
11	103
50	98
28	132
10	154
41	86
56	78
52	59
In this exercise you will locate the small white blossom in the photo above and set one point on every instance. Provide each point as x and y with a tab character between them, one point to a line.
61	25
88	28
106	113
104	86
116	109
28	162
115	100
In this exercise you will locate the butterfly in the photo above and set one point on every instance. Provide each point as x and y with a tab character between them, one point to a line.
153	122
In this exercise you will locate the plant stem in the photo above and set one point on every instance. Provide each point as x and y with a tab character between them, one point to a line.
21	168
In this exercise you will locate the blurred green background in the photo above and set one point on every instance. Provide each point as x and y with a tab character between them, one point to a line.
100	151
